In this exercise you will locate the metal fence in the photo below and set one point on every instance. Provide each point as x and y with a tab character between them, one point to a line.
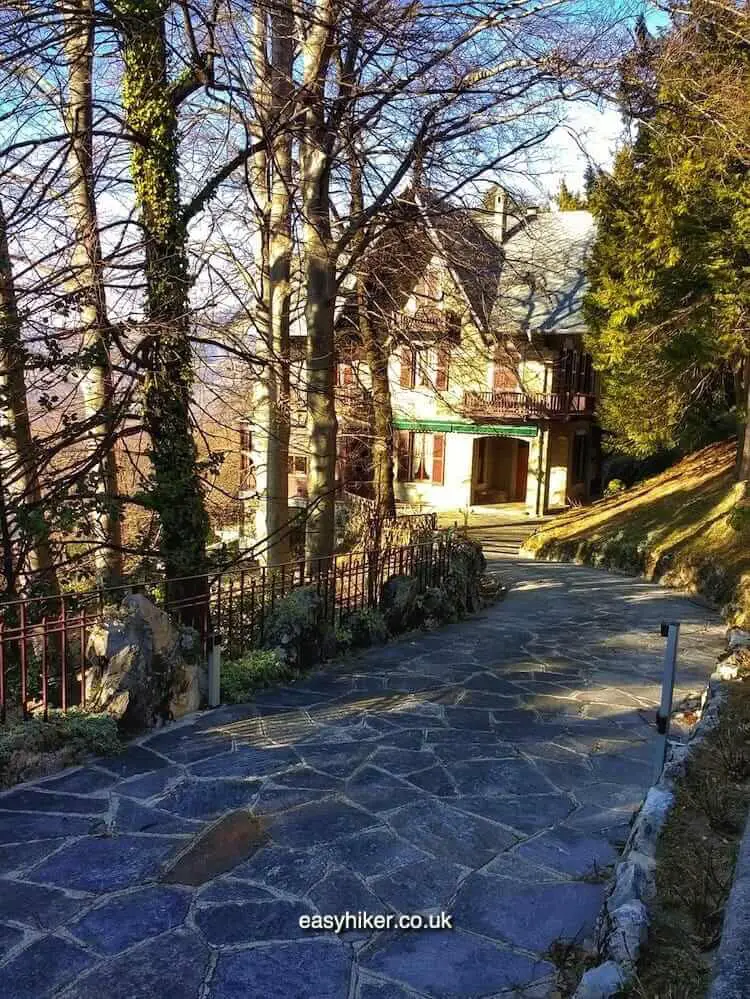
45	643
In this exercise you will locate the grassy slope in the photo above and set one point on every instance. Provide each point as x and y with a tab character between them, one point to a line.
683	527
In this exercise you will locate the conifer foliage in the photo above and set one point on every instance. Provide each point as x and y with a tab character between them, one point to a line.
670	270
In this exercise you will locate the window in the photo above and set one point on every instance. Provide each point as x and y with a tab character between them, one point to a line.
424	367
441	371
421	457
408	364
297	464
247	471
344	373
504	376
580	457
245	437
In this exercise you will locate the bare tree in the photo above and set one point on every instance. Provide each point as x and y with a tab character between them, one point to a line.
89	290
27	533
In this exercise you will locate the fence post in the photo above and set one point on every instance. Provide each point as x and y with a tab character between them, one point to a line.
214	672
671	631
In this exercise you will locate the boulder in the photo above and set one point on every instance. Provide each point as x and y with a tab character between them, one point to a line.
628	932
738	639
398	602
142	667
602	982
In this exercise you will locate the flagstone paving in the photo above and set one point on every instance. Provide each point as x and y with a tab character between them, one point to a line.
488	770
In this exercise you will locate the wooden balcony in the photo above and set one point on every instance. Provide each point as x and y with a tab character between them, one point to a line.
528	405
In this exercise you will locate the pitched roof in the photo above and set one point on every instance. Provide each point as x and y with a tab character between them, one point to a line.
543	280
474	258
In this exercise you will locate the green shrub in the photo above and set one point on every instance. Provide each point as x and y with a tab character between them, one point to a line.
467	563
35	747
240	678
436	607
614	486
344	639
367	627
298	631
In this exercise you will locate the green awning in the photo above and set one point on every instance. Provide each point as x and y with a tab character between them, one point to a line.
453	427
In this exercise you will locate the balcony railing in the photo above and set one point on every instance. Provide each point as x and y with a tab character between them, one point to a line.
525	405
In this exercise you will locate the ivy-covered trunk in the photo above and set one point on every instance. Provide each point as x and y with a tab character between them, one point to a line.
320	286
151	112
28	556
88	282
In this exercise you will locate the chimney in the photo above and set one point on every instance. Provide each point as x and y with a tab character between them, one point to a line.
501	212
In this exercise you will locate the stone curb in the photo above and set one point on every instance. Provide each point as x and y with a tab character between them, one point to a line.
624	921
732	971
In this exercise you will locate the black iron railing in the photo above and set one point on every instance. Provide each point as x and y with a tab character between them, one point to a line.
45	643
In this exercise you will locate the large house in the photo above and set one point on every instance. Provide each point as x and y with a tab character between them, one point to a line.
493	396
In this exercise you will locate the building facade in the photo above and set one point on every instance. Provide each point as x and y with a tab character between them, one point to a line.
493	395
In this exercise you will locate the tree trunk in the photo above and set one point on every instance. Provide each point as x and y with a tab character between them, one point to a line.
319	316
376	350
320	288
279	274
151	114
96	384
375	342
743	433
26	526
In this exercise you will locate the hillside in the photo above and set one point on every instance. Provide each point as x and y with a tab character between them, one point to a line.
683	528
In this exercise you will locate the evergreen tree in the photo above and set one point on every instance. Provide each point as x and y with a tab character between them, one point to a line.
569	201
669	271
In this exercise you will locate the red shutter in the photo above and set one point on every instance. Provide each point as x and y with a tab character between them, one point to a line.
441	374
438	459
403	453
407	368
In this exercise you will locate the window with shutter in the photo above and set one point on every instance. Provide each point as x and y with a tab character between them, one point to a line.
407	368
424	365
438	459
403	454
504	378
441	373
344	373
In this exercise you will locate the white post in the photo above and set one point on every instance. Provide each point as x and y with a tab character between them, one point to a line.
214	673
670	631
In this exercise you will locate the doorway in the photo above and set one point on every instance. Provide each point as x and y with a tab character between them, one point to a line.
500	467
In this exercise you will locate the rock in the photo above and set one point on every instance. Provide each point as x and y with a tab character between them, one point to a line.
144	666
634	881
727	671
398	602
651	818
738	639
628	932
602	982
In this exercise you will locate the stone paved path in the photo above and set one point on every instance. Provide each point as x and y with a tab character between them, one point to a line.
488	770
